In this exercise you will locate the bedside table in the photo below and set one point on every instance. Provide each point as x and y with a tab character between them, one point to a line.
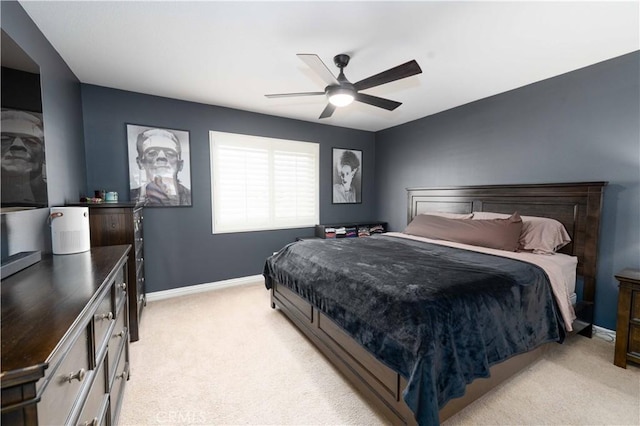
628	324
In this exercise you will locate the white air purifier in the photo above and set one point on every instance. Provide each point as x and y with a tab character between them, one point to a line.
69	229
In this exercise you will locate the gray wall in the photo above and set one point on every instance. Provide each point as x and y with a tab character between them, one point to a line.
62	112
580	126
179	247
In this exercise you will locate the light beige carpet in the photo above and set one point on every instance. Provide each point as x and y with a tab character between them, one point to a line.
226	358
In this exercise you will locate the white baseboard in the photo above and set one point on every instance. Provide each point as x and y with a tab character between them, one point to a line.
199	288
604	333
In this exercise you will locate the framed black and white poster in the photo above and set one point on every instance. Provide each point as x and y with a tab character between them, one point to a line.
347	176
159	166
24	171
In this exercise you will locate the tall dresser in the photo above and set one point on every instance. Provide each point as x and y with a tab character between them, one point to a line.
65	346
121	223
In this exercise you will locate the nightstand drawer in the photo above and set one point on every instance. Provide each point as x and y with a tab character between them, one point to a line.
635	305
634	340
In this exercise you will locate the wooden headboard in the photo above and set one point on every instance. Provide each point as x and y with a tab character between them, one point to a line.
576	205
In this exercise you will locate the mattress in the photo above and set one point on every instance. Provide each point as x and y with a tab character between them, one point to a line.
560	268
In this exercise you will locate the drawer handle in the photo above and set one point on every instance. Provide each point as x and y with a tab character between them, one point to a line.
108	316
92	422
123	375
122	286
78	375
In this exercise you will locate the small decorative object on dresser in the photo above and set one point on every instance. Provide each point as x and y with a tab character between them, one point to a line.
121	223
628	327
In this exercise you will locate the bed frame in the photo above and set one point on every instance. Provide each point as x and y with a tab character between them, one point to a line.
576	205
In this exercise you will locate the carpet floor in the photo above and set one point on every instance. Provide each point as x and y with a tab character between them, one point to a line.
225	357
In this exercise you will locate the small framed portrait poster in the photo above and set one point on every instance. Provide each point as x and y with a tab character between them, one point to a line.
347	176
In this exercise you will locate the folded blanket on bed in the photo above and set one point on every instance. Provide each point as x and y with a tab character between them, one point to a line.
439	316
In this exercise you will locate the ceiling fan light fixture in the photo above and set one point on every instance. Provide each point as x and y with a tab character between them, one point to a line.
341	97
340	92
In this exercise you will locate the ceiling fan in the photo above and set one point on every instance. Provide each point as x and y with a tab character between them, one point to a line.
341	92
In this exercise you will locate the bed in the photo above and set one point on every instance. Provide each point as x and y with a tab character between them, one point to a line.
372	351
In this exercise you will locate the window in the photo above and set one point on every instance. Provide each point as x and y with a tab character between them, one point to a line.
263	183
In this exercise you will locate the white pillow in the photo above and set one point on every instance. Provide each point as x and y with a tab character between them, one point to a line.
540	235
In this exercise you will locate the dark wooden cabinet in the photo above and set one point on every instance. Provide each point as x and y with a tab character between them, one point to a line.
628	323
65	346
121	223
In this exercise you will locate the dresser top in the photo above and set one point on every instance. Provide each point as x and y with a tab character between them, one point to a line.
107	204
629	274
41	303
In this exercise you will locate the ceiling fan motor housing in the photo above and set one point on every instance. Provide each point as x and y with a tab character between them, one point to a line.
341	60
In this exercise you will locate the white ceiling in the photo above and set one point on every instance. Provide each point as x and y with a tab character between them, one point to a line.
233	53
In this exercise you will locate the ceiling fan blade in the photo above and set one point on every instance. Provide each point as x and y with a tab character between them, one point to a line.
328	111
397	73
316	64
290	95
387	104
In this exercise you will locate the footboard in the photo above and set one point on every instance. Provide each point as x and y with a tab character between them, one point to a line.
379	384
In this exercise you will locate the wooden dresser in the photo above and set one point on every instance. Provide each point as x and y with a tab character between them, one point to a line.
65	346
121	223
628	323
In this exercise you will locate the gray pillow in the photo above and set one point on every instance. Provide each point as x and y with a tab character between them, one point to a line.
502	234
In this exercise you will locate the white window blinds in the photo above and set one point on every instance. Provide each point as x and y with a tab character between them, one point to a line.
263	183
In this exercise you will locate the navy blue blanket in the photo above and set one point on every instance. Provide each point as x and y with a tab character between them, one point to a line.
437	315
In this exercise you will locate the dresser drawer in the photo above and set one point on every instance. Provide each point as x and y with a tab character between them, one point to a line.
119	381
120	287
68	380
137	227
140	283
139	265
102	320
119	335
94	405
139	248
